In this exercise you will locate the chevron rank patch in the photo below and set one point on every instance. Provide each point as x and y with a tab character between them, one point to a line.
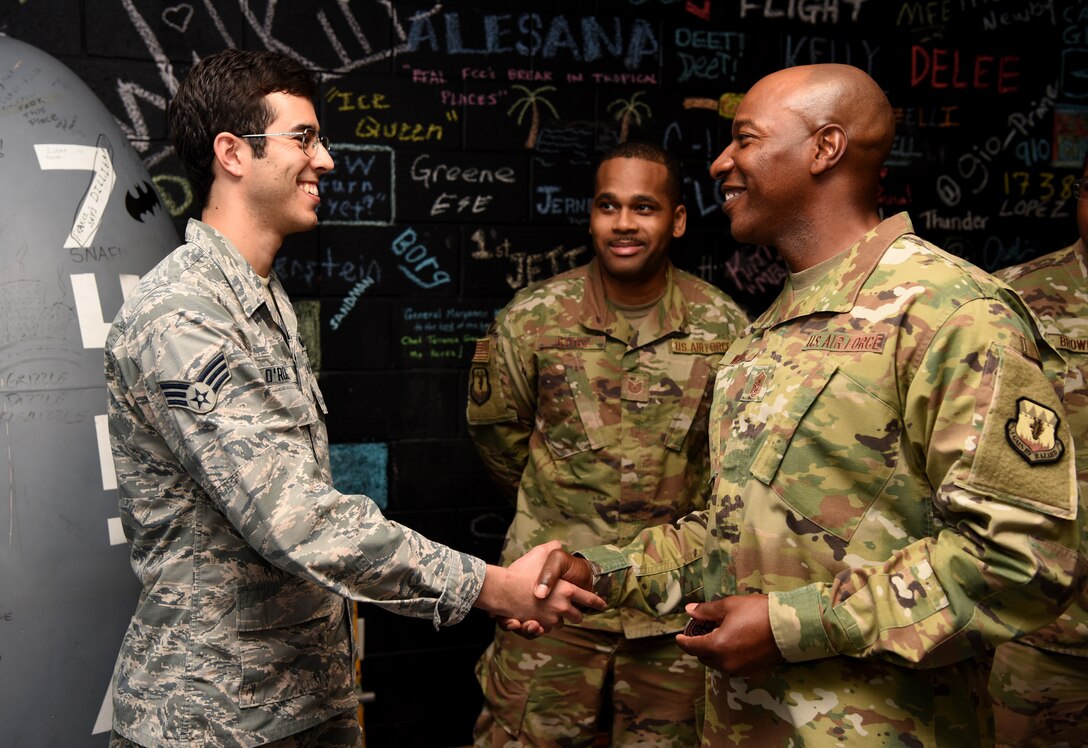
202	395
1033	433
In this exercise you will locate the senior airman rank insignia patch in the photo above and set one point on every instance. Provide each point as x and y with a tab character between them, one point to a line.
202	395
1033	433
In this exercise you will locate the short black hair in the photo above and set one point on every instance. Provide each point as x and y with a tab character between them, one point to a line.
654	153
224	92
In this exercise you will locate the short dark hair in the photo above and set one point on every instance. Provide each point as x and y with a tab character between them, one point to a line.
647	151
224	92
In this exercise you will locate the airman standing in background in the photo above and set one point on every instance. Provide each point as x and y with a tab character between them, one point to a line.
1040	682
588	402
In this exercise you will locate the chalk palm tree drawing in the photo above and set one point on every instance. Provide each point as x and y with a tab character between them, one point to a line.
531	102
628	110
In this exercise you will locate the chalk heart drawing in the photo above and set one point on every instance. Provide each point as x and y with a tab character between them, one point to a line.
178	16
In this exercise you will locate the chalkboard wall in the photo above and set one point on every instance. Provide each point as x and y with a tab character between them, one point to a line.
464	136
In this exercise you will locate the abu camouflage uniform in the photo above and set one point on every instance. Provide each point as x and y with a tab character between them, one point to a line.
244	549
1040	682
892	469
599	429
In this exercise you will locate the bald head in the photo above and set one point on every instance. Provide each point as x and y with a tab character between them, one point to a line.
802	172
837	94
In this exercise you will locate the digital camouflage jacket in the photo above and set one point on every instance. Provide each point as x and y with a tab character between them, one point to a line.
244	549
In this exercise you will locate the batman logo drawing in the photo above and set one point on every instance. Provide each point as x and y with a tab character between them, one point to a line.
143	202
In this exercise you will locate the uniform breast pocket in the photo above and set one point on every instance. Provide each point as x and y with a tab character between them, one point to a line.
287	634
568	412
285	396
830	454
689	411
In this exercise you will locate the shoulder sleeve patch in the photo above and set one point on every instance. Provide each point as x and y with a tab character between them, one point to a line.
479	385
487	401
1033	433
1022	455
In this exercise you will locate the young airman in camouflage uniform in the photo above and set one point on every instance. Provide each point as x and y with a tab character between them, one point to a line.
244	548
894	491
1040	682
591	408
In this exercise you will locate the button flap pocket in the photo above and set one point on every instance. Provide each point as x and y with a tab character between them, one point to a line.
568	412
782	426
272	605
688	405
836	455
289	395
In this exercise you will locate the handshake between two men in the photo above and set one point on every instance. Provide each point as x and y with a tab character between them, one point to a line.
732	634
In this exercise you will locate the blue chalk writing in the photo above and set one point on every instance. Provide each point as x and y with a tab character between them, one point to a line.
374	274
416	259
584	39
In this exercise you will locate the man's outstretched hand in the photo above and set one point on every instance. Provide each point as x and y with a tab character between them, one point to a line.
742	643
559	568
561	565
513	595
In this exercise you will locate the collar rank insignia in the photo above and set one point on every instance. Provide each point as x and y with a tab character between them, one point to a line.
202	395
1033	433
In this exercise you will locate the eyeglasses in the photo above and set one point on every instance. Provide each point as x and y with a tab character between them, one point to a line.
307	138
1080	189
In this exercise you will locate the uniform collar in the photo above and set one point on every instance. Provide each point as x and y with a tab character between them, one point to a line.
671	314
241	276
1080	254
837	291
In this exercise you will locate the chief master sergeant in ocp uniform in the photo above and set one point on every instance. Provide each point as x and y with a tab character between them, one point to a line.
894	492
589	403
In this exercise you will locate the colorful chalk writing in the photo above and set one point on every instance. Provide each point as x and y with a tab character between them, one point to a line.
465	138
362	189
